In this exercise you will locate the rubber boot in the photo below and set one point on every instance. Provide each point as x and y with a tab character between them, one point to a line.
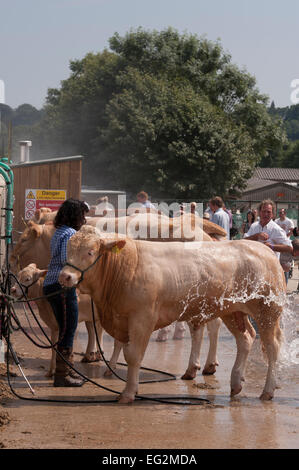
62	377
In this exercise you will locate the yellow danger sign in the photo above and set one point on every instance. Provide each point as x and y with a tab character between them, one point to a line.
52	194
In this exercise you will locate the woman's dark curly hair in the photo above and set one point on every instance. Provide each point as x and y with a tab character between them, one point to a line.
71	213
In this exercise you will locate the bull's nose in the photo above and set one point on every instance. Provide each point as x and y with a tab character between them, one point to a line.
65	278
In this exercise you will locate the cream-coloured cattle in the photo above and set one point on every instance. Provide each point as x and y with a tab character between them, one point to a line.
156	227
43	215
34	247
33	278
147	286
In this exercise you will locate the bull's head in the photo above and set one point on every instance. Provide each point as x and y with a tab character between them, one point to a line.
85	249
27	277
27	249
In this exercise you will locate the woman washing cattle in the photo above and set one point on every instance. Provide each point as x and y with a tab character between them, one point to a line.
70	218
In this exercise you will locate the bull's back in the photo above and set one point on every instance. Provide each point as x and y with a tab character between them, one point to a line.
220	267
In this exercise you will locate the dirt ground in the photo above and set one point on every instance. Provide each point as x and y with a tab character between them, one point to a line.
243	422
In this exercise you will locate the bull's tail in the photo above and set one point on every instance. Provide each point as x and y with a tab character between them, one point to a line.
278	338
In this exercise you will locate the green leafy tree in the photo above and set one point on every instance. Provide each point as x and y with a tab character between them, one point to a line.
291	155
176	141
26	115
165	112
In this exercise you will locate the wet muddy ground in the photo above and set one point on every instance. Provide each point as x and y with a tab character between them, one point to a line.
243	422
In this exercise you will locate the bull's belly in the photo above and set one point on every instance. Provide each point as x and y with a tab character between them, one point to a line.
185	310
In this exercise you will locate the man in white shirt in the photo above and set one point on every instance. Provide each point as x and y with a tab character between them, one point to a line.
285	223
219	217
268	232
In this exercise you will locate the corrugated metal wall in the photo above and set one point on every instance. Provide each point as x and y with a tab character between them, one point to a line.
278	193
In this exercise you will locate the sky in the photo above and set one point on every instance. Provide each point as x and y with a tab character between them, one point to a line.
38	38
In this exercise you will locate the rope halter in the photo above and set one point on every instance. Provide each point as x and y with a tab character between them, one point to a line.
83	271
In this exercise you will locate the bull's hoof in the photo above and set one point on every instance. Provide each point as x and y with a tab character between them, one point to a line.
266	396
90	357
210	369
179	335
161	338
99	356
125	400
190	374
108	372
234	391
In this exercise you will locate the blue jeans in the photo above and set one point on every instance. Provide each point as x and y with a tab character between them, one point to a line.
286	275
66	313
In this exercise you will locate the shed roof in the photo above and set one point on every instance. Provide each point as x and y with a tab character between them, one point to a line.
47	161
277	174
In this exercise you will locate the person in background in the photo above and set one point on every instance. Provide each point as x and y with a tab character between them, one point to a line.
208	213
250	219
286	259
69	218
193	208
285	223
219	217
266	231
230	215
256	215
269	232
142	198
103	207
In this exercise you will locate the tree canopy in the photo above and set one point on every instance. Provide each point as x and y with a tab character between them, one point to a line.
161	111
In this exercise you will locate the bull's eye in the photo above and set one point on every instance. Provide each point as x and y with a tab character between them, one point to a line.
91	252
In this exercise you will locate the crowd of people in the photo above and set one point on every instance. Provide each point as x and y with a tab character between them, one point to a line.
261	226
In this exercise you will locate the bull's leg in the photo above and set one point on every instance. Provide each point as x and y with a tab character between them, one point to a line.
244	342
54	339
115	355
194	361
90	353
134	349
213	327
270	334
163	334
100	334
179	330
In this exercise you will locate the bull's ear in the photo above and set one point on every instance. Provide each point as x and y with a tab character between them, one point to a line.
115	246
42	272
35	228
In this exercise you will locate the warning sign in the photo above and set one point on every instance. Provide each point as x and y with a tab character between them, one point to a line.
43	194
30	204
30	195
37	198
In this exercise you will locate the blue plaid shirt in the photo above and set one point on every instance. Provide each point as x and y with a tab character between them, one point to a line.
58	253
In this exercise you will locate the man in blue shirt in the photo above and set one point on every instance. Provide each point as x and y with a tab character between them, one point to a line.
219	217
